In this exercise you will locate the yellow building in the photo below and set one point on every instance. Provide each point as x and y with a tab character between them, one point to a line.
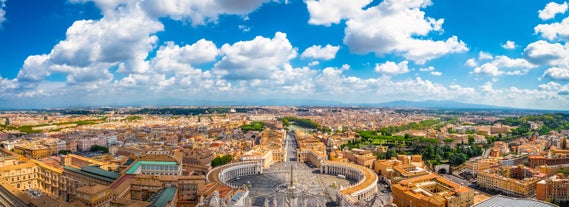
32	151
516	181
431	191
94	195
361	157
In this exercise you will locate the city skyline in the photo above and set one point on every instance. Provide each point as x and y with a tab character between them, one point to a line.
69	53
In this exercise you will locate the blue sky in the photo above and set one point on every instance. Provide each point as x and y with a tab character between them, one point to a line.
66	53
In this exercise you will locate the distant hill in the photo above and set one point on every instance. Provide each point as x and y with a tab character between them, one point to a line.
439	105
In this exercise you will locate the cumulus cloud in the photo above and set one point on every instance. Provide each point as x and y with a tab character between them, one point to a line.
197	12
327	12
554	55
556	30
471	62
392	68
503	65
396	27
255	59
557	73
485	56
94	51
171	57
543	52
327	52
509	45
552	9
488	69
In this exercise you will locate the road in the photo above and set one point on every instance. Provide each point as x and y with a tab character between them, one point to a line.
290	144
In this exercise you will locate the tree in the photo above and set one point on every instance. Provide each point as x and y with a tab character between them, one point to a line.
96	148
471	139
218	161
390	153
64	152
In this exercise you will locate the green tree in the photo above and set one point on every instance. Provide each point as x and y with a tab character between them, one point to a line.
390	153
97	148
64	152
219	161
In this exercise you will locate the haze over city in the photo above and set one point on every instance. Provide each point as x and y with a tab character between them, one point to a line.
68	53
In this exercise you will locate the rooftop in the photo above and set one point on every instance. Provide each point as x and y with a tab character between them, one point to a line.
164	197
500	200
137	164
93	171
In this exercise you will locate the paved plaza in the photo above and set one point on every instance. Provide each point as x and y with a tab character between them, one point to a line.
272	187
311	187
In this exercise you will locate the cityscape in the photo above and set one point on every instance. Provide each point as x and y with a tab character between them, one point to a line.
283	156
284	103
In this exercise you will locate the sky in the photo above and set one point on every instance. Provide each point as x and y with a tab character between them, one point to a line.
76	53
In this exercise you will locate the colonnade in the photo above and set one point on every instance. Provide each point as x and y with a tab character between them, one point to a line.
365	187
227	172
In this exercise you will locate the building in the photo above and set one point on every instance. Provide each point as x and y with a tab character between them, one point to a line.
361	157
537	160
554	188
32	151
94	195
404	167
86	176
431	191
197	160
517	181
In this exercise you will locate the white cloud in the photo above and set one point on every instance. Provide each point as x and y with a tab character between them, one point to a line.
109	40
552	9
557	73
313	63
471	62
554	55
197	12
436	73
172	57
509	45
392	68
556	30
542	52
497	66
485	56
254	59
427	69
2	12
327	12
94	51
488	69
34	69
396	27
327	52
